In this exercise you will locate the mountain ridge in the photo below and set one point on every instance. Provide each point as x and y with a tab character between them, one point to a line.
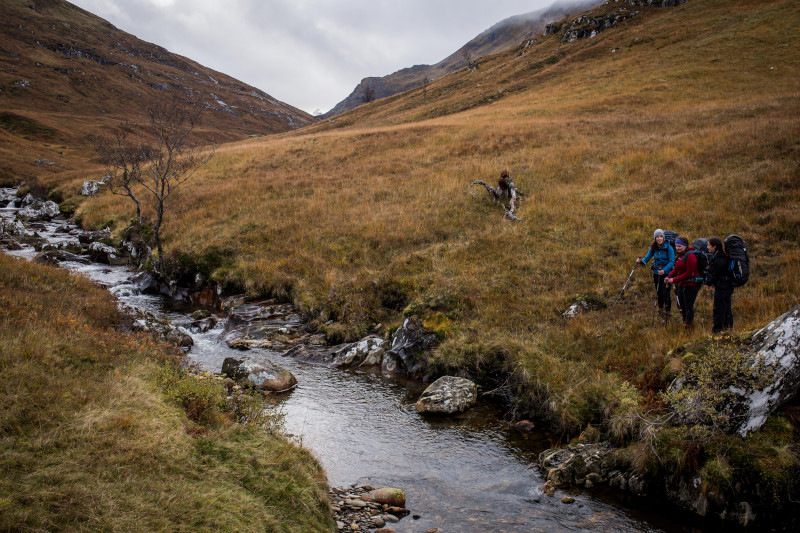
500	36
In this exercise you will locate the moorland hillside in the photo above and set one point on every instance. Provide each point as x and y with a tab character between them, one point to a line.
66	74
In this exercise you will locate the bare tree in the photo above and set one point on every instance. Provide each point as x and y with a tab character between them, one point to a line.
471	65
123	159
172	158
155	167
425	82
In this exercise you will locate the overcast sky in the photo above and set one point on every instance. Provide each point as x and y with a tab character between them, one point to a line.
308	53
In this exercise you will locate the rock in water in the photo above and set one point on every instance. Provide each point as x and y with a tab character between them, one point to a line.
367	352
407	344
262	374
448	395
386	496
261	325
38	209
778	346
102	253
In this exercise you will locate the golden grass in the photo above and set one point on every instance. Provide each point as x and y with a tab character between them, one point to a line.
684	127
89	442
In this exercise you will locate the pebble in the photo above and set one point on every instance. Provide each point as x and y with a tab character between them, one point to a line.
567	499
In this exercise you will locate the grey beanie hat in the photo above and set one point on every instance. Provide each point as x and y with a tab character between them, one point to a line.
658	232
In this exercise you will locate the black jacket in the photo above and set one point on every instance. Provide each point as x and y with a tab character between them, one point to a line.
718	275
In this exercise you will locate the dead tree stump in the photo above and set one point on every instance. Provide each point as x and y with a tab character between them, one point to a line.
505	190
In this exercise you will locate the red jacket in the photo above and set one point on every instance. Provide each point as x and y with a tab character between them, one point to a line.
685	269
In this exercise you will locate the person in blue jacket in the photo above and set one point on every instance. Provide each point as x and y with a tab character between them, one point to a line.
663	255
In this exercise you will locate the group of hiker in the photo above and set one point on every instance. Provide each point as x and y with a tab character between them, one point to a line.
722	266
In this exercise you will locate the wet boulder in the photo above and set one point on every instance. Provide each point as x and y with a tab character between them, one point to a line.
262	374
386	496
366	352
46	258
409	342
103	253
12	228
448	395
178	337
11	244
204	324
146	283
64	255
88	237
35	209
262	325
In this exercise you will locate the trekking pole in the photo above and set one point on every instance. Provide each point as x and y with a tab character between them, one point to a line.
655	304
626	284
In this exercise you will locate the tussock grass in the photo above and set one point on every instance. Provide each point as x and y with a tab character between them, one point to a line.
362	217
91	438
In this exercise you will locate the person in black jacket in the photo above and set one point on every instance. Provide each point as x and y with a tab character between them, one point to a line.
720	282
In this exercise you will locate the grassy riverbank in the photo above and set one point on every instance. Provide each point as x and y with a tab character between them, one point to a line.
103	431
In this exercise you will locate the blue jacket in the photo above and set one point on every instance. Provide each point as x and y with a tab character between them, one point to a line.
662	259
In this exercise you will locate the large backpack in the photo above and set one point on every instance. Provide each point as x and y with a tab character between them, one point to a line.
738	260
703	259
670	237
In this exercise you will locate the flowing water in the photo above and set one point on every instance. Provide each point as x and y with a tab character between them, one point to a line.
468	473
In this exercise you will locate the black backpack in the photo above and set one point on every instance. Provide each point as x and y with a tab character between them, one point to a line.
738	260
670	237
703	259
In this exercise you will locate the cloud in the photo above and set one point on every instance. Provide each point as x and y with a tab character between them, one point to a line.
308	53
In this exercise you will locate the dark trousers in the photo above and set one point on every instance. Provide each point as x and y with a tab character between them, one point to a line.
723	316
662	292
686	297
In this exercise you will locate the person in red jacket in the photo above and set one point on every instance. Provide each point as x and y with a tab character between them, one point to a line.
685	276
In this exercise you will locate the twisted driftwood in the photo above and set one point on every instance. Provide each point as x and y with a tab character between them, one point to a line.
505	189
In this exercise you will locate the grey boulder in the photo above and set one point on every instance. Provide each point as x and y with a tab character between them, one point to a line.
262	374
448	395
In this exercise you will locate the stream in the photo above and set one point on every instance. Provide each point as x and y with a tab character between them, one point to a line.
469	473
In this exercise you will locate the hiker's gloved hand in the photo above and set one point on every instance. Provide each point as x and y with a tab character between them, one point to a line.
661	272
639	260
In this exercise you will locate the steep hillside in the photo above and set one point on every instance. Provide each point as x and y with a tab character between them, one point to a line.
65	73
506	33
